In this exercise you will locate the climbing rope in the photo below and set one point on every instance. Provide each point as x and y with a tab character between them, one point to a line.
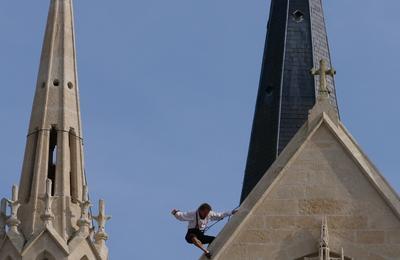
216	222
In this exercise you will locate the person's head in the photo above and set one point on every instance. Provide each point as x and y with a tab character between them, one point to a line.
204	210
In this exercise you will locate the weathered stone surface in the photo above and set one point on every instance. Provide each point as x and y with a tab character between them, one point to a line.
286	211
371	237
255	236
393	236
281	222
321	206
289	192
348	222
257	222
279	207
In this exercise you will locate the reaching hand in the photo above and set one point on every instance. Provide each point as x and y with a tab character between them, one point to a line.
174	211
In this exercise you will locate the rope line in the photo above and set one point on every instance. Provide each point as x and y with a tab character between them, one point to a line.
216	222
48	130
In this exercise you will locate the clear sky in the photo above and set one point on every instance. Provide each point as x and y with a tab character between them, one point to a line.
168	91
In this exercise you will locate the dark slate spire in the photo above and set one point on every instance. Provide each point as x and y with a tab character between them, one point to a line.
296	42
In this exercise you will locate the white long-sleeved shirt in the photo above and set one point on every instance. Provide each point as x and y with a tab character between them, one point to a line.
202	223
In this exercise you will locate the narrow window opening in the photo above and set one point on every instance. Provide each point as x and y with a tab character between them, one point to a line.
51	174
298	16
34	142
73	166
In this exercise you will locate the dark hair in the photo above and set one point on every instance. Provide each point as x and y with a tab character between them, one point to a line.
205	206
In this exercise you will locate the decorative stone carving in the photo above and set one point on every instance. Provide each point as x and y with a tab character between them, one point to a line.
84	221
48	216
323	104
101	219
14	204
13	222
324	250
101	236
323	72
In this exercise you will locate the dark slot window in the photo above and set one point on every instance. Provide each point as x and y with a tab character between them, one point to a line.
73	167
51	174
33	152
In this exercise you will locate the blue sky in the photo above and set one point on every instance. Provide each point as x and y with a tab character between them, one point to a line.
168	92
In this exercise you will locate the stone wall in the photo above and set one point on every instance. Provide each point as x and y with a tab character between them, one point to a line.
323	180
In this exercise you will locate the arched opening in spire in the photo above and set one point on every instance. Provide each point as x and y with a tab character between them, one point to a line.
33	142
85	258
73	148
51	171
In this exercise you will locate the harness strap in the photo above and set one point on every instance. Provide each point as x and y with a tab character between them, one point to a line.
197	220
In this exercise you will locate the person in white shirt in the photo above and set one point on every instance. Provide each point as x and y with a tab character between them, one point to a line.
198	221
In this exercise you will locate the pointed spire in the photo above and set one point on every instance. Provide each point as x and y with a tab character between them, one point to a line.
53	195
296	42
56	101
54	147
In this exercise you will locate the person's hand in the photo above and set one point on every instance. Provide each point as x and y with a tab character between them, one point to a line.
234	211
174	211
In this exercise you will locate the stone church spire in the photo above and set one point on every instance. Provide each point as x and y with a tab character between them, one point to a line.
53	196
296	42
54	147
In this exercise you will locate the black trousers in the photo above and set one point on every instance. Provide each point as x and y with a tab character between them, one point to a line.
197	233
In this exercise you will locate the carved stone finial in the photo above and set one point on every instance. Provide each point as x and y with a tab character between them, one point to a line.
324	233
16	237
13	221
102	218
84	221
324	251
3	217
48	216
323	72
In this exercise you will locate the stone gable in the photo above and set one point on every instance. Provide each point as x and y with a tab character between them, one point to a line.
321	177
